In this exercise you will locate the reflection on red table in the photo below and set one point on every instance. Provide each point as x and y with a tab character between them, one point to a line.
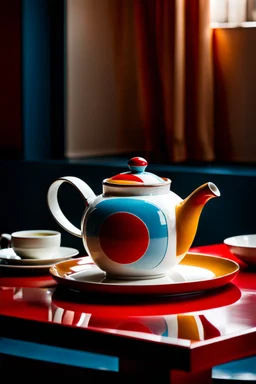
214	316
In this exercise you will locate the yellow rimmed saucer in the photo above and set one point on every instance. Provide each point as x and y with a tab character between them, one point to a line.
195	273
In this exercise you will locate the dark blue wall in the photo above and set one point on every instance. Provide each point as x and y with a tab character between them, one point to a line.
43	78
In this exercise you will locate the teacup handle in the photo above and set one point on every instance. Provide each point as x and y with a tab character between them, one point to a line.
7	237
52	199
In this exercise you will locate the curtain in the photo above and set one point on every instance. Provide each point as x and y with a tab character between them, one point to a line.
172	50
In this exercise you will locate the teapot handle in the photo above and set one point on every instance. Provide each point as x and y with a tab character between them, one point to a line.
52	200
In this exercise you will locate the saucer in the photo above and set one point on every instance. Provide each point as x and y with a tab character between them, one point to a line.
8	258
195	273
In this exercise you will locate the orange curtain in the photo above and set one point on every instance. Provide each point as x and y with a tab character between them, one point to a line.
173	65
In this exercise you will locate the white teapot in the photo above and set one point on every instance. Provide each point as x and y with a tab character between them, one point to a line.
137	228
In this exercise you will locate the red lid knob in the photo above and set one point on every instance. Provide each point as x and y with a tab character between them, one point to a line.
137	164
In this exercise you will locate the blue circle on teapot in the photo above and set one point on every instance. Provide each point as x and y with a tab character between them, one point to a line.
128	231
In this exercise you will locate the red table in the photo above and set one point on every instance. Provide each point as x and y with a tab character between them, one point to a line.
177	339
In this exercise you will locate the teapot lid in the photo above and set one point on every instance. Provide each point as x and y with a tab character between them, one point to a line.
137	175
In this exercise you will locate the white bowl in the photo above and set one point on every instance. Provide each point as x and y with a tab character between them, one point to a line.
243	247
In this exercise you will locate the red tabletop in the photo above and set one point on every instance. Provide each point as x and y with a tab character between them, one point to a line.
191	333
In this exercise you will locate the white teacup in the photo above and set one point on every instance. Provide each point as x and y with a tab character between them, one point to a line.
33	244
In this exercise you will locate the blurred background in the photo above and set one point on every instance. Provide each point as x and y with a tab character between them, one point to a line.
87	84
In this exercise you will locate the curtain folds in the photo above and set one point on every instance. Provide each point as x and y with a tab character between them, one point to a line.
172	48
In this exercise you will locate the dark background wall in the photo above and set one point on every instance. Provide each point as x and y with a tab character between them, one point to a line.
24	187
33	129
10	79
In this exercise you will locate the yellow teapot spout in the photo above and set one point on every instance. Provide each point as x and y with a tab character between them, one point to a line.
188	213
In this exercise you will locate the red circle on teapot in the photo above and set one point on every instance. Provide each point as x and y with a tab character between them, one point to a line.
124	238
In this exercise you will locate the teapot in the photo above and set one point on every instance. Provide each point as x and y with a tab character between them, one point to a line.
138	228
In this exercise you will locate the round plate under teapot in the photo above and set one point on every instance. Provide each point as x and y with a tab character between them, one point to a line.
195	273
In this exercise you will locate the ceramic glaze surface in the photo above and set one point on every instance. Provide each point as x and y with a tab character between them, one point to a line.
132	235
244	247
116	225
33	244
137	227
136	175
193	274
